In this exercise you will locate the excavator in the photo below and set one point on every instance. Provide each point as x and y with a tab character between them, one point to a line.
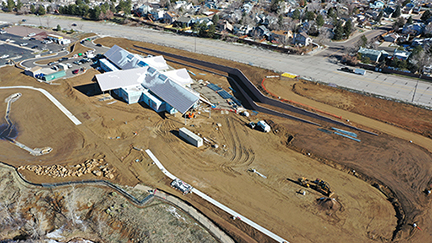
318	185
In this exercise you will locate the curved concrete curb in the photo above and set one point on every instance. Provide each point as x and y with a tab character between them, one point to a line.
53	100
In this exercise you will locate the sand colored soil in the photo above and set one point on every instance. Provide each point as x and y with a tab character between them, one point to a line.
114	131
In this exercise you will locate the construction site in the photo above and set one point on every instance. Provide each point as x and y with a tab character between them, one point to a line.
305	161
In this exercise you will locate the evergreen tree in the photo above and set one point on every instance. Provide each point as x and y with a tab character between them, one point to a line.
379	17
41	10
19	5
10	5
397	12
338	33
426	15
211	31
32	9
410	20
296	14
320	20
348	28
309	15
363	41
58	28
215	19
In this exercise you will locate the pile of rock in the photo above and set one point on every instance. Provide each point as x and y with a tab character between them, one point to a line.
97	167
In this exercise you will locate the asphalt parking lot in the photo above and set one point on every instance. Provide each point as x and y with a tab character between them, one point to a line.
14	47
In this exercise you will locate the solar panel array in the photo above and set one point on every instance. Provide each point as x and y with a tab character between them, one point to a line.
224	94
214	87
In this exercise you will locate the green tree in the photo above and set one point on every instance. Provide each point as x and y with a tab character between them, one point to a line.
363	41
338	32
274	6
32	9
309	15
404	3
348	28
215	19
3	4
280	20
49	9
399	23
319	20
19	5
296	14
95	12
10	5
379	17
211	31
410	20
397	12
332	13
41	10
58	28
87	1
426	15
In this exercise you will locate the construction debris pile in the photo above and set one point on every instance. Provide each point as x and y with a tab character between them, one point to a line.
97	167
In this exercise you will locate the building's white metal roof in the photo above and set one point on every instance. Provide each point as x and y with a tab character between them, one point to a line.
171	92
159	84
157	62
122	78
126	60
179	76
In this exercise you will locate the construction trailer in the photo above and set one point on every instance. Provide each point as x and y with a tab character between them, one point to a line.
52	76
190	137
264	126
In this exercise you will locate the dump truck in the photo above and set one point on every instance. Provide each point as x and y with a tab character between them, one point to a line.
318	185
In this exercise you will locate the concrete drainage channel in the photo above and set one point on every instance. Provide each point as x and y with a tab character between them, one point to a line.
163	196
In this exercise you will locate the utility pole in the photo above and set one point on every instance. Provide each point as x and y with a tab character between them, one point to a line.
415	89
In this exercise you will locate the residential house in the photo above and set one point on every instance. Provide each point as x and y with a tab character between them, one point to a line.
413	29
302	39
281	36
388	12
393	37
373	55
184	21
224	25
261	31
143	10
376	5
170	17
242	30
371	14
401	55
156	14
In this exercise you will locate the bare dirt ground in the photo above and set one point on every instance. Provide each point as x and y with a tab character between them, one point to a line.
112	130
96	213
398	114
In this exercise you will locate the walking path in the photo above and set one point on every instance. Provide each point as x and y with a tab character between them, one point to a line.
219	205
53	100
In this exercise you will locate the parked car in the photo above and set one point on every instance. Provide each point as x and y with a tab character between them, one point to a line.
77	62
47	41
33	47
98	45
23	44
52	63
73	24
31	34
4	56
24	20
75	71
69	65
63	59
3	32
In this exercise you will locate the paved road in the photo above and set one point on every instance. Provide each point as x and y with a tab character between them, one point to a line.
315	67
53	100
218	204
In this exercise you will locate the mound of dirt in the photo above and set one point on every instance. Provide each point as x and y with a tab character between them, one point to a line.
328	204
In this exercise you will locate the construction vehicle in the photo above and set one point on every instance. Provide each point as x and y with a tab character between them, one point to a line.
191	115
318	185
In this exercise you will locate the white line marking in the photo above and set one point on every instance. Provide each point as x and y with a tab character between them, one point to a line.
53	100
